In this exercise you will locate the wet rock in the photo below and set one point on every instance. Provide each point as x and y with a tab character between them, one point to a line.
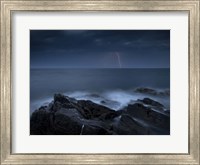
154	92
92	110
40	122
65	124
128	126
149	115
68	116
167	111
61	98
95	130
146	91
151	102
165	92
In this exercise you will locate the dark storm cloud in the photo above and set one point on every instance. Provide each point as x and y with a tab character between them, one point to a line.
99	48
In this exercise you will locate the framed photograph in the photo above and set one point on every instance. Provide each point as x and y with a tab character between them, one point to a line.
99	82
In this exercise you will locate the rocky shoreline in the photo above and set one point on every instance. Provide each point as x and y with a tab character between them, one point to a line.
68	116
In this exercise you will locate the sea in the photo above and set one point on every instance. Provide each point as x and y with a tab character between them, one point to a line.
114	86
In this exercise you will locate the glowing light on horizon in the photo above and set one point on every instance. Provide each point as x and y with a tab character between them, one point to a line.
118	59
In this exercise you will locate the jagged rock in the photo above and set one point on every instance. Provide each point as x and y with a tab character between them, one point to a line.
150	91
41	122
151	102
92	110
61	98
149	115
165	92
146	91
167	111
95	130
128	126
67	123
68	116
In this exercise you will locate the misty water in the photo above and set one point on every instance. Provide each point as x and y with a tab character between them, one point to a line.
114	85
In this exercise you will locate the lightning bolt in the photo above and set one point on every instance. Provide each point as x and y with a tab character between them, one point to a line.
118	58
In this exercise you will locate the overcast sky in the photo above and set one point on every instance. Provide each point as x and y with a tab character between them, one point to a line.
100	48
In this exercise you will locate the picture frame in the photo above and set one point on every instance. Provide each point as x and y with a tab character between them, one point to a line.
9	7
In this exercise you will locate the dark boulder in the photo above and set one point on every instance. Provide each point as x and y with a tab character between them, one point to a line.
128	126
95	130
149	115
68	116
41	122
150	91
65	124
151	102
146	91
165	92
61	98
92	110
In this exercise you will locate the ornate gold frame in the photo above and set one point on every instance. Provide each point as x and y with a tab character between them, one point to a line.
10	6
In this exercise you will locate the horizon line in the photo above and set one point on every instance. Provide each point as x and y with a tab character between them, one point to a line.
98	68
